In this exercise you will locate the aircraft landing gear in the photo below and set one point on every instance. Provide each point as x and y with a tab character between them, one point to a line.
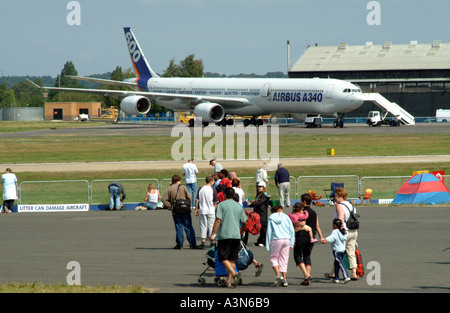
339	121
253	121
225	122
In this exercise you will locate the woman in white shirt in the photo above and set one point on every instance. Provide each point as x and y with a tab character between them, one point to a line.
343	208
9	181
152	197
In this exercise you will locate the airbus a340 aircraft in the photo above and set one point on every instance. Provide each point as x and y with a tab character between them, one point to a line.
213	98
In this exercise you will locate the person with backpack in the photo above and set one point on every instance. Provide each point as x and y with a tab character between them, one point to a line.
224	183
260	205
343	211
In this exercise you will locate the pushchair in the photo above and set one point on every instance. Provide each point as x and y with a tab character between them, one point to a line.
334	186
220	273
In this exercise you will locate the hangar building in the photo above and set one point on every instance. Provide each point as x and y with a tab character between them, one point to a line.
415	76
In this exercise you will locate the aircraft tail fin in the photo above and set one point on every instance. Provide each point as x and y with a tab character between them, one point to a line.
140	64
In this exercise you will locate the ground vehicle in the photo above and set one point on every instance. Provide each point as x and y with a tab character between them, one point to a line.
107	114
185	117
313	121
442	116
376	118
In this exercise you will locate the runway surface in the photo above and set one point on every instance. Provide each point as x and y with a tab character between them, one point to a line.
403	250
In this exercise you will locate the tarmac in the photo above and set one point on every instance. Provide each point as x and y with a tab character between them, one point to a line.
404	250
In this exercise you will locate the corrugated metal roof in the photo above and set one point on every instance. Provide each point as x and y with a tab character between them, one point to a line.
411	56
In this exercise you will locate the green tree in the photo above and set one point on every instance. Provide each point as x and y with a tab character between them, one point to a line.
62	80
7	98
189	67
28	95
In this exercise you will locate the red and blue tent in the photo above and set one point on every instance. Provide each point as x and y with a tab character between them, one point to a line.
422	188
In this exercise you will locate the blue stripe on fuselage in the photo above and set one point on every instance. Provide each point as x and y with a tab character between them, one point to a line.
142	83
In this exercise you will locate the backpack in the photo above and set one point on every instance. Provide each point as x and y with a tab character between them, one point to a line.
253	222
352	222
224	183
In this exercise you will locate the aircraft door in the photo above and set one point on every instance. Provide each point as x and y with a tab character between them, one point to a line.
265	91
329	91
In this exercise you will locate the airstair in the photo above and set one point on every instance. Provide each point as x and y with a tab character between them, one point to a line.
390	107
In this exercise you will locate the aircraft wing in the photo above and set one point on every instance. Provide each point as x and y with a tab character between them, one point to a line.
226	102
106	81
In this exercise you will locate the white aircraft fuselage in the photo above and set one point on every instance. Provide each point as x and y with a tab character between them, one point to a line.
265	96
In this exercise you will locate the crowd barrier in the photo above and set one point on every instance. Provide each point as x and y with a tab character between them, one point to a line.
95	193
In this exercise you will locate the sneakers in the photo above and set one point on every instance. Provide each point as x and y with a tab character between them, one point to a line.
346	280
280	281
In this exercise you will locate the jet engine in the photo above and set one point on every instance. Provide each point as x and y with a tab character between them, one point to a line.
209	112
135	105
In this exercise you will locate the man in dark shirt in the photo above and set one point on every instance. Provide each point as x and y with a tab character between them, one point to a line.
302	251
283	184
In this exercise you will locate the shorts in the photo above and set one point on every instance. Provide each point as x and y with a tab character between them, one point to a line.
302	253
228	249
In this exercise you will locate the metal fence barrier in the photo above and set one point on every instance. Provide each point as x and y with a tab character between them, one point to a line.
96	192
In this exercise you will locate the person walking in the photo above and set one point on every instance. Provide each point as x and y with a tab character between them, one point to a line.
280	240
190	170
205	208
115	200
260	205
230	222
343	208
282	181
217	166
337	240
261	176
181	221
9	181
303	245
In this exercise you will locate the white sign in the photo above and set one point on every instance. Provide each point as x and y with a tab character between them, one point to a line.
53	208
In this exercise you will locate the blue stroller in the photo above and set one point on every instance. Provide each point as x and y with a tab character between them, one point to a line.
220	272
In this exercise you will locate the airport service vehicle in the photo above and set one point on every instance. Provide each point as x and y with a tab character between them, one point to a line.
376	118
314	121
211	99
442	116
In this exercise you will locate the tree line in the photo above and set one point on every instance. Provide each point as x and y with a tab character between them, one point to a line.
15	91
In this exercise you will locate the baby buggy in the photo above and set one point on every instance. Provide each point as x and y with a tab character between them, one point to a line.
220	272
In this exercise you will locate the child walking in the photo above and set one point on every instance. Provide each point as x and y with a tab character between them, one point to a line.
280	239
337	240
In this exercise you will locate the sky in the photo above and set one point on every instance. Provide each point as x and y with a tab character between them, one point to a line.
230	36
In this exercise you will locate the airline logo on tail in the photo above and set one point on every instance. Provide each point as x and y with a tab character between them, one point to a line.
140	64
